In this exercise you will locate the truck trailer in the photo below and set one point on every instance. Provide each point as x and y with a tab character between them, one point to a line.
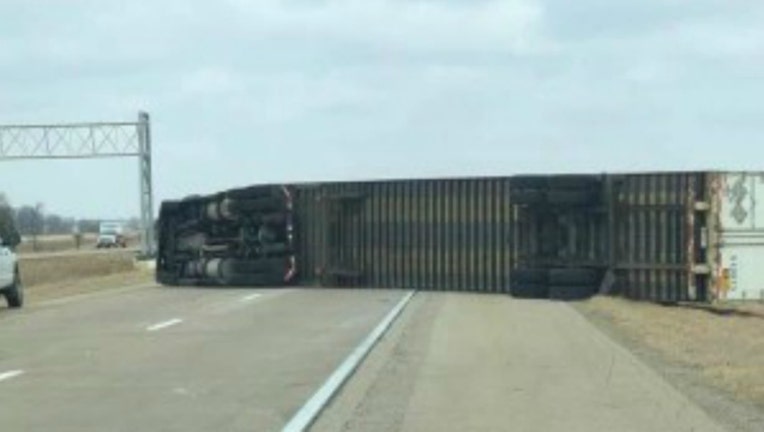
663	236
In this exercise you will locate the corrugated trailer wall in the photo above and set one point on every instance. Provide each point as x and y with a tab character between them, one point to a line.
444	234
461	234
660	236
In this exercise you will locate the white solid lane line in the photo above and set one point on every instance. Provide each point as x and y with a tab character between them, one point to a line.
251	297
164	324
308	412
10	374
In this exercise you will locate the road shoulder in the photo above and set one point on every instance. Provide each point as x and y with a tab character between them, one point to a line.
476	362
658	336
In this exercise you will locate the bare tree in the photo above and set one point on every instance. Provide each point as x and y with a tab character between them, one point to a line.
38	222
8	230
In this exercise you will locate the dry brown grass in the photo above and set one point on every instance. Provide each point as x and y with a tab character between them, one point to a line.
64	242
54	290
62	268
724	344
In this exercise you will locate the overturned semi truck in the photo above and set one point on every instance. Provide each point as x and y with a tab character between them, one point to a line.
668	237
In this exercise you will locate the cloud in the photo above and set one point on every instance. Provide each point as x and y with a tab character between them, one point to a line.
250	91
210	81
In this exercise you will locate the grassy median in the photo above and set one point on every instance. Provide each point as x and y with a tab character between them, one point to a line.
62	275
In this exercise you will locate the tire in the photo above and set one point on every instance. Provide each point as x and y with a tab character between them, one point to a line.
255	192
533	276
571	292
271	218
574	182
14	294
573	197
528	182
263	205
574	276
166	278
527	197
529	290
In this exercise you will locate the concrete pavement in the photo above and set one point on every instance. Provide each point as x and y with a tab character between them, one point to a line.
177	359
475	362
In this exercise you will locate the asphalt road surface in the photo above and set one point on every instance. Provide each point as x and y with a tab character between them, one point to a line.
190	359
472	362
176	359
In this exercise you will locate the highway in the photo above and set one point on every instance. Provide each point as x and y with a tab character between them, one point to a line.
176	359
194	359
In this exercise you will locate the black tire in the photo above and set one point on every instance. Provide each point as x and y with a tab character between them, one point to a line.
257	192
527	197
529	290
573	197
14	294
574	276
528	182
271	218
571	292
166	278
533	276
264	205
574	182
169	209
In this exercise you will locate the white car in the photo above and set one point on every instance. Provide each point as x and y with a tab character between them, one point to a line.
10	282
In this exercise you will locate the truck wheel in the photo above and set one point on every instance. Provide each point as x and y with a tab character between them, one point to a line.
534	276
528	182
527	197
574	182
14	295
529	290
571	292
166	278
573	197
574	276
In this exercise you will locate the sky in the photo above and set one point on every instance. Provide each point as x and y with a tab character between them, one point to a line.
245	92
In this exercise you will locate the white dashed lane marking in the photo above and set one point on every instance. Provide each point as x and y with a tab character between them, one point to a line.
250	297
10	374
164	324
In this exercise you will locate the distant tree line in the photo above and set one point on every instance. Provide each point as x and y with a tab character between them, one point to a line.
34	220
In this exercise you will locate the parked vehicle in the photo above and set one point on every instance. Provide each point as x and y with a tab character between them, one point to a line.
111	235
10	279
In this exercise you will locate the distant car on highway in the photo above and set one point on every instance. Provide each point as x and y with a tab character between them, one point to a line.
111	234
10	279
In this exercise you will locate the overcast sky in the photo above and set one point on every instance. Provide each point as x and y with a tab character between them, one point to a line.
271	91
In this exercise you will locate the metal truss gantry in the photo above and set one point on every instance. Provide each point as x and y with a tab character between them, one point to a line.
88	141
